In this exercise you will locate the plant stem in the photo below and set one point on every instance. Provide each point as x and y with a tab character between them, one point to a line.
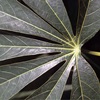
95	53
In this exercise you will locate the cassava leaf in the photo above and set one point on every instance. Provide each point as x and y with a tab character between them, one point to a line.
17	46
49	90
16	17
88	22
54	12
16	76
42	27
85	83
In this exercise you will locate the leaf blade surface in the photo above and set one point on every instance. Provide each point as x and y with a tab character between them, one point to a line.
85	83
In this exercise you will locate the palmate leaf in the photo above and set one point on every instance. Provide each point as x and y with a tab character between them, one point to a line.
43	28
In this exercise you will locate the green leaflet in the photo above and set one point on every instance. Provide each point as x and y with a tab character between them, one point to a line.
18	46
11	18
86	86
53	12
88	22
16	76
49	91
